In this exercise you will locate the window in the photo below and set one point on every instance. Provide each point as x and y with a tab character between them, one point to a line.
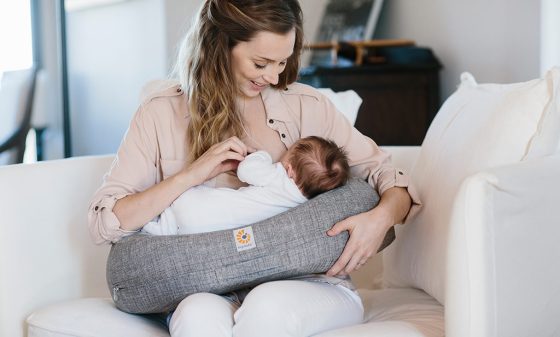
15	35
16	45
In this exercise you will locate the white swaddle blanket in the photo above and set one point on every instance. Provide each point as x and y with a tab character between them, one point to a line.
206	209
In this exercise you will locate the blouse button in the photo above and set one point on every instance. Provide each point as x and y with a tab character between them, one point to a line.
401	173
96	208
271	121
178	89
283	135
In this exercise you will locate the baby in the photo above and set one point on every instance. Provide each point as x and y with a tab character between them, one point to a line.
311	166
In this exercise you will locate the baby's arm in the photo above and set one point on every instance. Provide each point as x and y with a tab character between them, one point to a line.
256	169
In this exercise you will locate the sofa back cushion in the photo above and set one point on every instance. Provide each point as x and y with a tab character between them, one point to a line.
480	126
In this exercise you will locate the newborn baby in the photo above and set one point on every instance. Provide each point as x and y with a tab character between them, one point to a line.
311	166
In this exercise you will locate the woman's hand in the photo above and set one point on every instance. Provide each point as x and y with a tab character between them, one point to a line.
367	230
222	157
135	210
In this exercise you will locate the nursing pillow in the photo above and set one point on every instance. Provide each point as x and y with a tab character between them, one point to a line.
153	274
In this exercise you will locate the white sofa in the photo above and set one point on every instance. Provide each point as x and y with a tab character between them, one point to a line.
52	271
482	252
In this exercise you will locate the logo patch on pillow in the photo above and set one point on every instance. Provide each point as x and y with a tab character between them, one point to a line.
244	238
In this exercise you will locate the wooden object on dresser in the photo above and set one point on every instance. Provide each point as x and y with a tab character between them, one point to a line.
400	96
362	50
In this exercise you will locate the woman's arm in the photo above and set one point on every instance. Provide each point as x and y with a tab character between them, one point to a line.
368	229
135	210
369	162
135	189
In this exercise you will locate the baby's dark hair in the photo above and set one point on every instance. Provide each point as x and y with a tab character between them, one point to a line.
319	165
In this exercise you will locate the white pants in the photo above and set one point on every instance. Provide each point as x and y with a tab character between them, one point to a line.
273	309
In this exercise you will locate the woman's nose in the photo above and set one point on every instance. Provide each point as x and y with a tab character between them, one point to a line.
271	76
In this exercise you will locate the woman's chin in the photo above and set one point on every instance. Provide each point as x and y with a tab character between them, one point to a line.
250	93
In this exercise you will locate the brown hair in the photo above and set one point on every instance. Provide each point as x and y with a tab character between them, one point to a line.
319	165
204	65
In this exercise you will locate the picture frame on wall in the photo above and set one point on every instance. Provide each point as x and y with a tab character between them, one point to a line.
346	20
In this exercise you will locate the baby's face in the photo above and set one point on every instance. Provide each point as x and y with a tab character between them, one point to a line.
285	160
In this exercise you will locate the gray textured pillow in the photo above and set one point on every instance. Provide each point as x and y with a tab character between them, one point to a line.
151	274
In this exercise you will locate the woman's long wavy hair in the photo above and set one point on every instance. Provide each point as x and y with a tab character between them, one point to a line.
204	65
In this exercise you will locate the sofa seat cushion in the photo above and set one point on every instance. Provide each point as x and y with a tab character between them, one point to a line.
388	312
396	313
91	317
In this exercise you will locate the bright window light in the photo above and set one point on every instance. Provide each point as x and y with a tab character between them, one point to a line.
15	35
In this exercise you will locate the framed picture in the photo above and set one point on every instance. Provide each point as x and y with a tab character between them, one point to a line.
346	20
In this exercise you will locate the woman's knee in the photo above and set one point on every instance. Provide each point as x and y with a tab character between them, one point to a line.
264	310
202	314
295	308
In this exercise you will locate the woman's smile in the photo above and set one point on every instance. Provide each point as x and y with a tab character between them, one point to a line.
257	63
257	86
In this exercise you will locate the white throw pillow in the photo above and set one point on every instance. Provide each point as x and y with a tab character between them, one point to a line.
480	126
348	102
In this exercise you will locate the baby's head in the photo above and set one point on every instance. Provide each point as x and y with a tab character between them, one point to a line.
316	165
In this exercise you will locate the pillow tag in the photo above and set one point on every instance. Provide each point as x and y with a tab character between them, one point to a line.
244	238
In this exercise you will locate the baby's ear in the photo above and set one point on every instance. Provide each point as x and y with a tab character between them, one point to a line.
291	172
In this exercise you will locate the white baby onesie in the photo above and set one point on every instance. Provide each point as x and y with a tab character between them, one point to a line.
206	209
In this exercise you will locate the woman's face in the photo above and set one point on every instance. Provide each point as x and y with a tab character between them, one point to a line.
258	62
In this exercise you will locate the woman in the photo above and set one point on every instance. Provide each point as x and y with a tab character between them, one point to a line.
237	94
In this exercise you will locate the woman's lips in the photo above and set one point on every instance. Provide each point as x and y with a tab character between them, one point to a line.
256	86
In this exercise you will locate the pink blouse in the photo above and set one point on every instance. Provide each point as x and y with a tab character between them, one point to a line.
154	147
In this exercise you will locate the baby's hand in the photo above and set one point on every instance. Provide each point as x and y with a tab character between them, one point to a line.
256	169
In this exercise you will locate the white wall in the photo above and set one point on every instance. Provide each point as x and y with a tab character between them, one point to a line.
112	52
178	16
550	34
180	13
497	41
313	11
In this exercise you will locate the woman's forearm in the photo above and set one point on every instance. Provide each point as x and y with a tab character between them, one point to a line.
397	202
135	210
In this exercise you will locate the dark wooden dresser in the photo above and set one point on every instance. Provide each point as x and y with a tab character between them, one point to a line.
400	96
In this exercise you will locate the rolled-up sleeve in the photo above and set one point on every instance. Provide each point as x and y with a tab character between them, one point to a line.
133	170
366	159
103	223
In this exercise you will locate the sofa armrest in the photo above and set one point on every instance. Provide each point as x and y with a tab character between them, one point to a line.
46	254
502	274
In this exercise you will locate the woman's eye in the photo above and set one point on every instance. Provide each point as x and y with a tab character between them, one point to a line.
283	63
260	66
